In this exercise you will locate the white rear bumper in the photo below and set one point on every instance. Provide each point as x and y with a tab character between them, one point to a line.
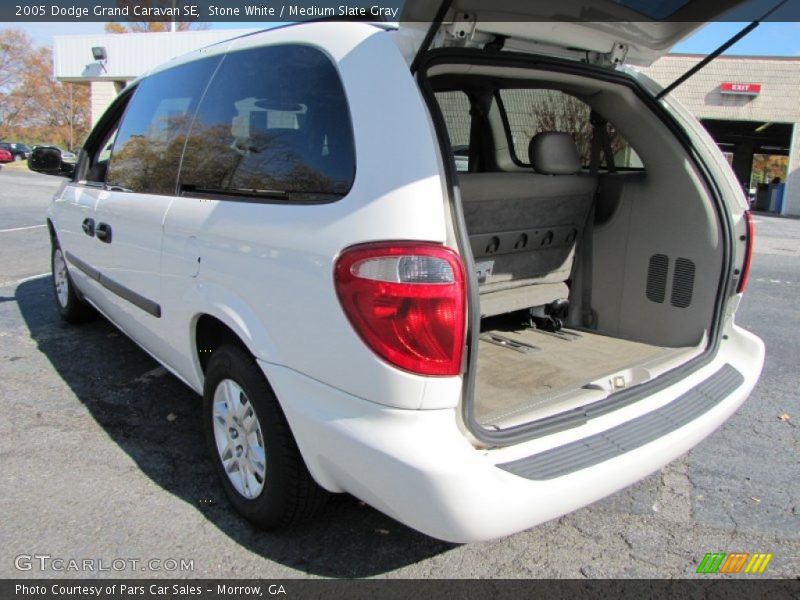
417	466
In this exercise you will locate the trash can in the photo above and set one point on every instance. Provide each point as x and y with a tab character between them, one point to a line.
776	197
762	200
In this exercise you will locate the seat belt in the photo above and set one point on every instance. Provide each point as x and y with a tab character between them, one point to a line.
600	144
475	155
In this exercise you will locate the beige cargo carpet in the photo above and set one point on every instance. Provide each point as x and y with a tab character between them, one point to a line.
509	380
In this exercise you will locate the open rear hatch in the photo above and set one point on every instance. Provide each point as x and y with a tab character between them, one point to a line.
660	264
601	31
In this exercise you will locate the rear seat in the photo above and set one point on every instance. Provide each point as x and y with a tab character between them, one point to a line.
523	227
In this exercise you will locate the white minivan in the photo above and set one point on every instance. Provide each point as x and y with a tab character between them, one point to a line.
475	272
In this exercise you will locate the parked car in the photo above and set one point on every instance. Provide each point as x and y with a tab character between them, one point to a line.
66	155
17	150
461	157
471	353
6	156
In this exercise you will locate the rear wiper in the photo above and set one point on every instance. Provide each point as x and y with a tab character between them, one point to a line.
718	51
279	194
257	193
251	192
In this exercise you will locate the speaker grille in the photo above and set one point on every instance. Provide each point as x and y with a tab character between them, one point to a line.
682	283
657	278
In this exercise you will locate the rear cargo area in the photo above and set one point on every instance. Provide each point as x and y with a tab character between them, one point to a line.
595	244
526	374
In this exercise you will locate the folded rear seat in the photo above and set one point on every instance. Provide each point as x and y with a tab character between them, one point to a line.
523	227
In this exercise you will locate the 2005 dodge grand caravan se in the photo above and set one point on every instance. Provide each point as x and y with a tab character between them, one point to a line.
466	272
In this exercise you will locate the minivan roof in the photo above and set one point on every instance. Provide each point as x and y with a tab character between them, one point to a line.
607	31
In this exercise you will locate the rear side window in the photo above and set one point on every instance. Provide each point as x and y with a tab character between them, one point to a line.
531	111
98	165
455	108
147	150
273	124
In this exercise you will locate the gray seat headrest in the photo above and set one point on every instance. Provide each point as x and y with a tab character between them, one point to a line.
554	153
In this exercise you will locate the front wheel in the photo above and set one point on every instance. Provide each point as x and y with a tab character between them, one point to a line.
71	307
253	449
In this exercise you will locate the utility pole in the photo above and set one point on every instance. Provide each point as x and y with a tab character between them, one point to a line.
71	117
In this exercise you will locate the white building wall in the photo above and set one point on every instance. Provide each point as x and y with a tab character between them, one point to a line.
102	93
791	194
128	55
779	100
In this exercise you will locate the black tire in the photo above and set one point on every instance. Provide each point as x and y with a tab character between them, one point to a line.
289	493
72	308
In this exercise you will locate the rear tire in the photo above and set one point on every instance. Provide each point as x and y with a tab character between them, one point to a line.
252	447
71	307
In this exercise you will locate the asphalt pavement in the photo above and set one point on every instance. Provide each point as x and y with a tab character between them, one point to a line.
102	457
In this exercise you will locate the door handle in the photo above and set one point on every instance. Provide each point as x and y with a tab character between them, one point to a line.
103	232
88	227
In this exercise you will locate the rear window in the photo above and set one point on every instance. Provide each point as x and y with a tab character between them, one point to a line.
532	111
455	109
274	124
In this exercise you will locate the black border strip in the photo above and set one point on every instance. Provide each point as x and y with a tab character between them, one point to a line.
139	301
710	586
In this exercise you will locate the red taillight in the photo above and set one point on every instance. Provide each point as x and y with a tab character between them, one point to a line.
407	302
748	253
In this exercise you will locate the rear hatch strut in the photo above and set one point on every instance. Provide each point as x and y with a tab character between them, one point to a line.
431	33
744	32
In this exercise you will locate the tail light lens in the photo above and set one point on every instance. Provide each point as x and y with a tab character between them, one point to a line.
748	253
406	300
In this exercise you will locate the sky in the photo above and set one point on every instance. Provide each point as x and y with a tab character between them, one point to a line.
774	39
778	39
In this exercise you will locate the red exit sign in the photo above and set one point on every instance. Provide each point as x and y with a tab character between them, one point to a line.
747	89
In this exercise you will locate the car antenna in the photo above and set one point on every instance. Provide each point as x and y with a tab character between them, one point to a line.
718	51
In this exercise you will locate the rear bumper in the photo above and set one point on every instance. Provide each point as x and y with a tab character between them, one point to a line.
418	467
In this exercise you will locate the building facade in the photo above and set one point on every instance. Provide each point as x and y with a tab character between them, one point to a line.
751	107
127	56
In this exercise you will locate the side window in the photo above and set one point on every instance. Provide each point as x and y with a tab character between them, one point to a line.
274	124
455	108
98	163
531	111
149	144
96	152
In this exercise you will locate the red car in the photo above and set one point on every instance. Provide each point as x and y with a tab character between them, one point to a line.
6	156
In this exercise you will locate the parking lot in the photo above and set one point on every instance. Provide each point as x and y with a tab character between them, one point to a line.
103	457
